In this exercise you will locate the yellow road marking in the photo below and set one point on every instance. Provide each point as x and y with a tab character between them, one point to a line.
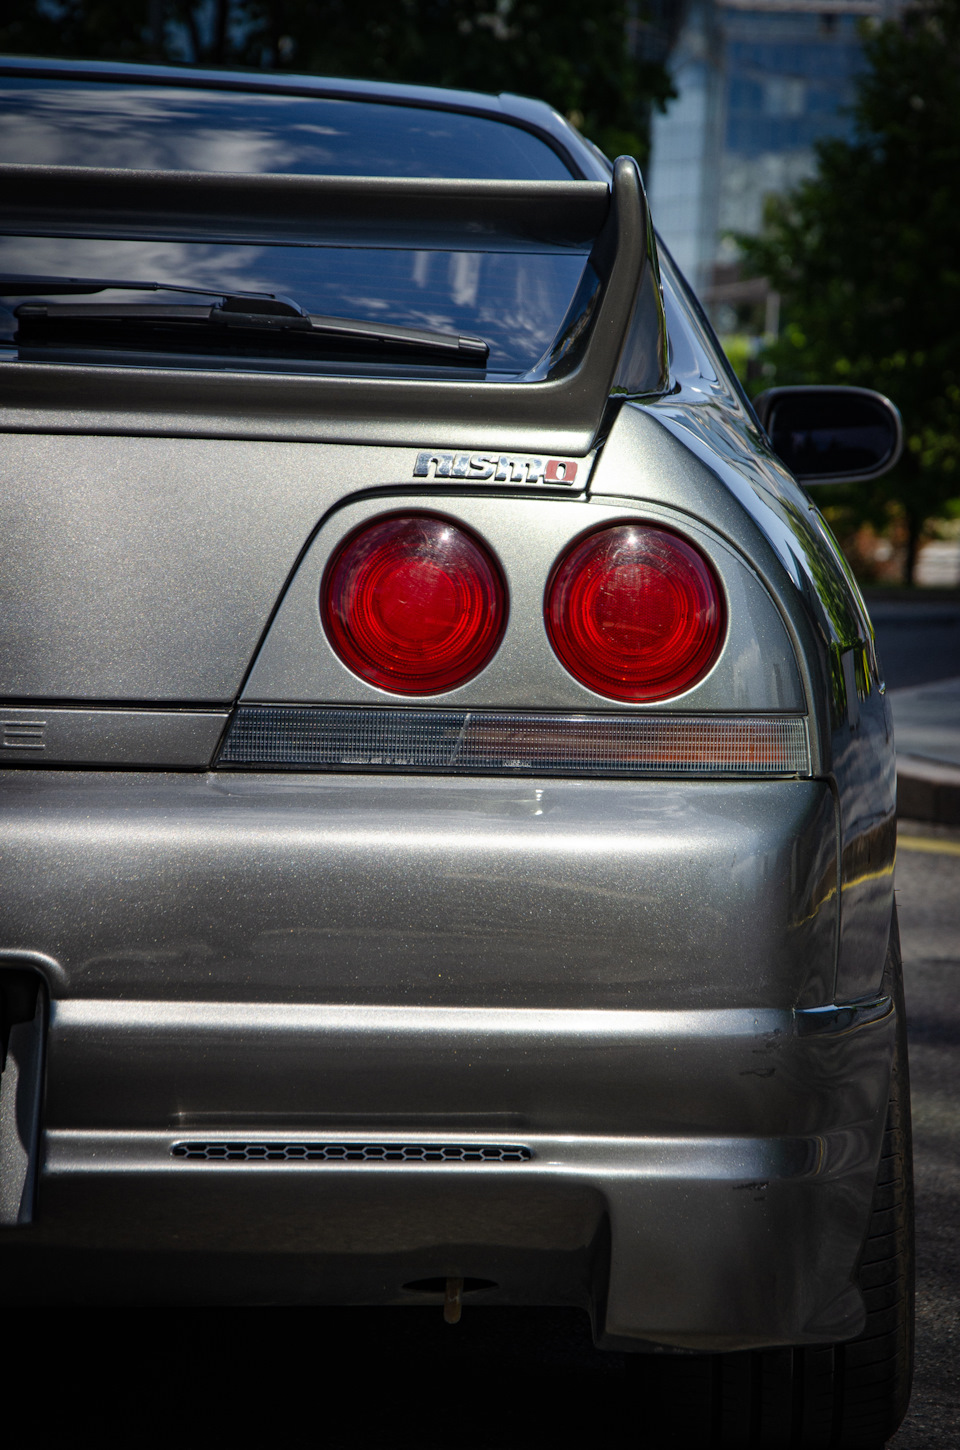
936	845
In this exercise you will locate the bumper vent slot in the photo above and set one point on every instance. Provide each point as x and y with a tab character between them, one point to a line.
294	737
265	1152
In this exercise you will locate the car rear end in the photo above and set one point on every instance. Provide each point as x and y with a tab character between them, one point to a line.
387	902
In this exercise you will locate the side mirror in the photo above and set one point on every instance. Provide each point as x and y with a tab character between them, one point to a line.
832	435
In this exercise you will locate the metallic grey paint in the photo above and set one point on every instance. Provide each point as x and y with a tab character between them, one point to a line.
789	541
755	669
649	1197
602	1073
44	398
21	1097
602	1154
668	989
146	569
132	738
438	891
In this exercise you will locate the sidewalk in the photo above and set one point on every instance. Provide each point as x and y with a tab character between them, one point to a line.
926	724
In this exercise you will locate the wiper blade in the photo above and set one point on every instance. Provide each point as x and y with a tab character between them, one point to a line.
249	311
21	284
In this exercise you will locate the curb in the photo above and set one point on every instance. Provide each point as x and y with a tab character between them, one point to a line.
928	791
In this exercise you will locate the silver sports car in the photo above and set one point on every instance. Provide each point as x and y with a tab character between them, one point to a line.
448	788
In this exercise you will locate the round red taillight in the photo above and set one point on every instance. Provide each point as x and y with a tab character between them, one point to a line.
413	604
635	612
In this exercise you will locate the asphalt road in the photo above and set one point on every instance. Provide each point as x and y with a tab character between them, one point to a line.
917	641
928	900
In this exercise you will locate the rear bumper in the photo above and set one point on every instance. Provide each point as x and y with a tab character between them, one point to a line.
602	974
433	891
724	1205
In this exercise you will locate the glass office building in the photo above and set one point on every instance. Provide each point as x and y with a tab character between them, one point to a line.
759	82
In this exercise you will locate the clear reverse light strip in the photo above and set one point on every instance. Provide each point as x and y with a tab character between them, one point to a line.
307	737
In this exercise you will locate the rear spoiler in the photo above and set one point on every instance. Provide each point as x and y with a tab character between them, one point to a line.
561	406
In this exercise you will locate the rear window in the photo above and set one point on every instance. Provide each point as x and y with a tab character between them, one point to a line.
171	128
515	301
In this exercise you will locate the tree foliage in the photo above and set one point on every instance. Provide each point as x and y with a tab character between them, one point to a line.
866	257
574	55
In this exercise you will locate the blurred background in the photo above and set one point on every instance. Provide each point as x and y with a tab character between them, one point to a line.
801	158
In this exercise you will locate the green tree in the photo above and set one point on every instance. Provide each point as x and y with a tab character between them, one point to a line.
866	257
576	56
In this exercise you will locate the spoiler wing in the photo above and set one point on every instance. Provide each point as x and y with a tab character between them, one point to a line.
561	406
271	210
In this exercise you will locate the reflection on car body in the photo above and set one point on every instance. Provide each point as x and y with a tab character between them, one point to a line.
448	805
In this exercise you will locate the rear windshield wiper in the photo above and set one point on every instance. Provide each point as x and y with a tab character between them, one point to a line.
240	312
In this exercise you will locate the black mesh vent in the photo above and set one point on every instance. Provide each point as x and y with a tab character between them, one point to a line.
238	1152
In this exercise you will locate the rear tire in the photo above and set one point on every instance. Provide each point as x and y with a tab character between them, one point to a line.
849	1396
